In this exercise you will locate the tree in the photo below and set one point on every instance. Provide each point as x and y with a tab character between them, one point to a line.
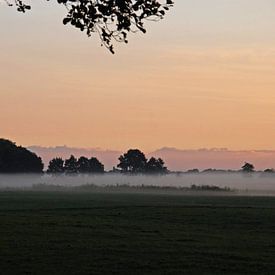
83	165
95	166
155	166
17	159
248	168
269	170
92	165
56	165
71	165
112	20
134	161
193	171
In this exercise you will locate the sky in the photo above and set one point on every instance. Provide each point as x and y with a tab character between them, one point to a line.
201	78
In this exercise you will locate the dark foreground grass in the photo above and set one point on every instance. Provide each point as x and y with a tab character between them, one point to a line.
78	233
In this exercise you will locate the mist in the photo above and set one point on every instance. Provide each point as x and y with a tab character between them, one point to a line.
254	183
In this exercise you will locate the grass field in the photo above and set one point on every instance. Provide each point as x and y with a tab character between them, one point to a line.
103	233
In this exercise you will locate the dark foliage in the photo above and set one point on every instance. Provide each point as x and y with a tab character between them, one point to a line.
269	170
155	166
134	161
92	165
73	165
17	159
83	165
193	171
248	168
95	166
56	165
111	19
21	6
215	188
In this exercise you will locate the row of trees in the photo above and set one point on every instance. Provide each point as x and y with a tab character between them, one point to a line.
246	168
17	159
132	162
249	168
73	165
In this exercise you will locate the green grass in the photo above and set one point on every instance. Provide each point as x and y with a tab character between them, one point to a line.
103	233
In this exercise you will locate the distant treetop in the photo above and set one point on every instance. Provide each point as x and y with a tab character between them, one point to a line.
248	167
134	161
72	165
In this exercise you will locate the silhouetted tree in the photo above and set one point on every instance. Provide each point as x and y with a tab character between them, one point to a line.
134	161
95	166
269	170
111	19
193	171
17	159
208	170
71	165
155	166
248	167
83	165
92	165
56	165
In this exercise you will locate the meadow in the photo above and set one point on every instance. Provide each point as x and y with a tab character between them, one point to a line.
52	232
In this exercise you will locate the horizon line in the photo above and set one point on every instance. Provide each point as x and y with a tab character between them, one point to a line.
171	148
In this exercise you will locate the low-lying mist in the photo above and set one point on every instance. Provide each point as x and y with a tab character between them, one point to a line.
254	183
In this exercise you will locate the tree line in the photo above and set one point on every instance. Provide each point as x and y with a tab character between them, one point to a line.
73	165
132	162
17	159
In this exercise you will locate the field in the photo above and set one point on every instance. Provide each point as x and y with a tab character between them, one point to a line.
119	233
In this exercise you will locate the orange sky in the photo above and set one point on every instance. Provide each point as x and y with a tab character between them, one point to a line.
186	84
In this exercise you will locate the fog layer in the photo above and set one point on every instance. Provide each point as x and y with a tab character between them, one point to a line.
261	183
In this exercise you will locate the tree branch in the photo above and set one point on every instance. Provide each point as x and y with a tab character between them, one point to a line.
112	20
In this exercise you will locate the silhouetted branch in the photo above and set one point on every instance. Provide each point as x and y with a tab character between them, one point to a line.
112	20
21	6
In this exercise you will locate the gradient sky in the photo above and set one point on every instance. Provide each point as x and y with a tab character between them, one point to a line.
203	77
